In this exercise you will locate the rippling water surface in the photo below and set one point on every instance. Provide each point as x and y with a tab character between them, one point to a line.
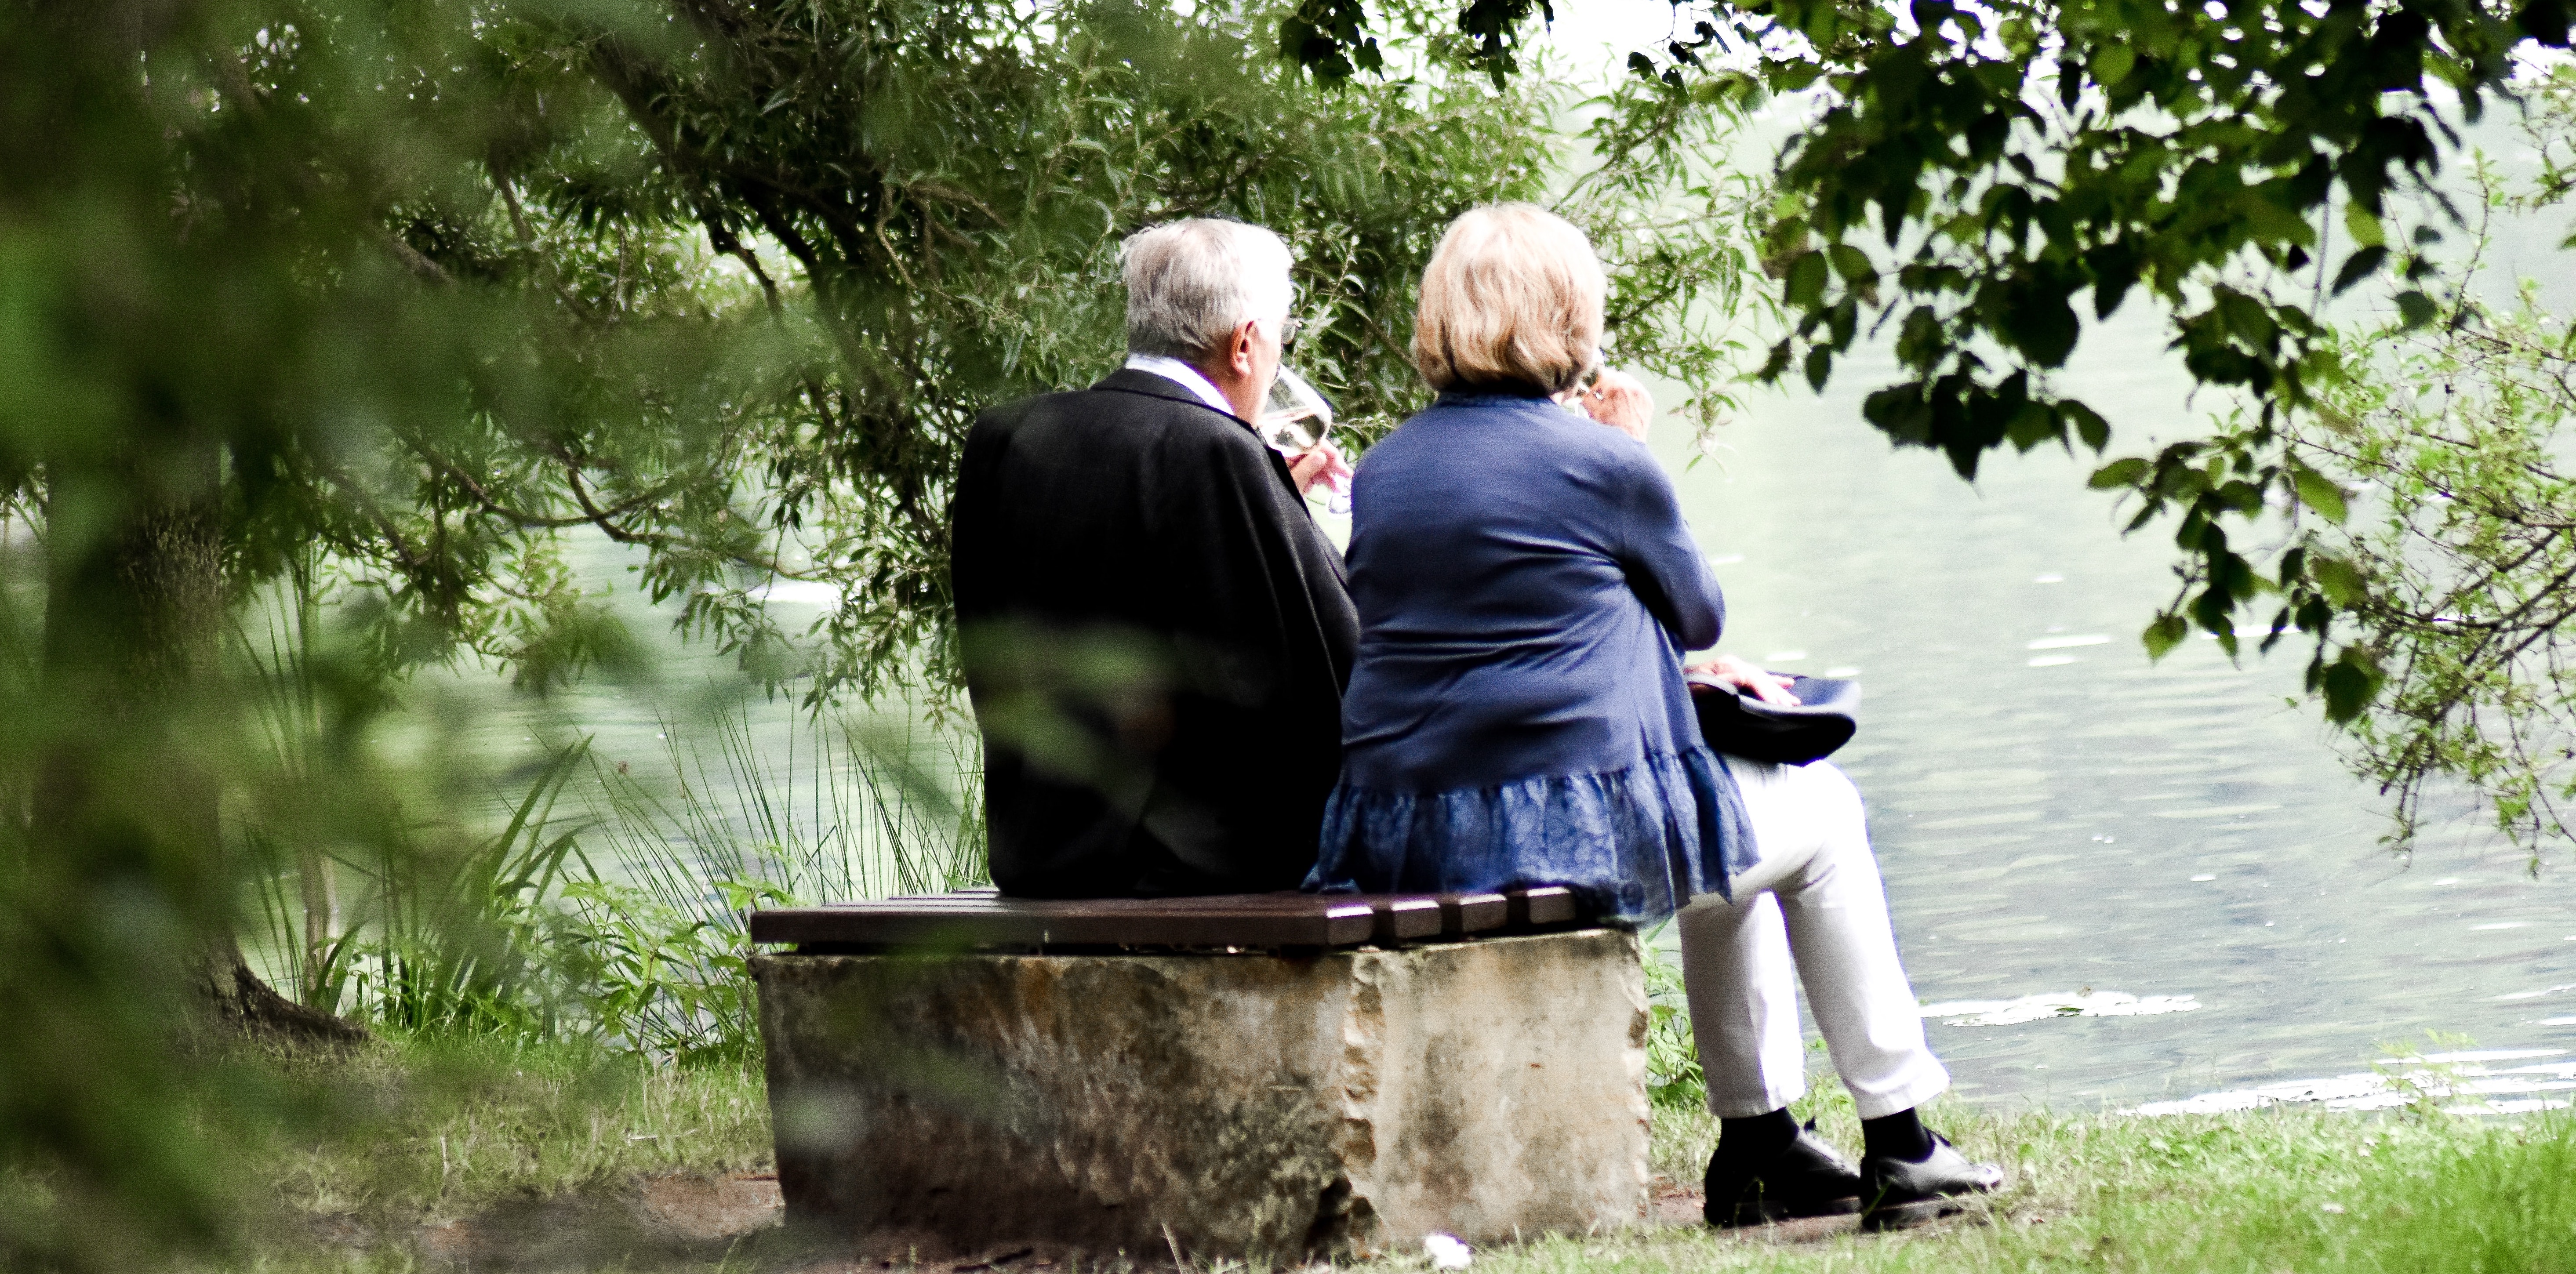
2056	815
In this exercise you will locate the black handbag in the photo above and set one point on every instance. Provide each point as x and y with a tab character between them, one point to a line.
1734	722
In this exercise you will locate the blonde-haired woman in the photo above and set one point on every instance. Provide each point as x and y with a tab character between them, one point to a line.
1518	716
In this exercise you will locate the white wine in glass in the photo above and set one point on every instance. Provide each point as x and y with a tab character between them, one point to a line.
1296	417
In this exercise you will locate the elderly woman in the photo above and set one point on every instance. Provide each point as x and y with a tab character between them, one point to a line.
1518	716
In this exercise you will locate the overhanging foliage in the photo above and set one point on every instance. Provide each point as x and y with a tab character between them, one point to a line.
1983	183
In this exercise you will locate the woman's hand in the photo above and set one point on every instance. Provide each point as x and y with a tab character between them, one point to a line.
1742	674
1323	463
1617	399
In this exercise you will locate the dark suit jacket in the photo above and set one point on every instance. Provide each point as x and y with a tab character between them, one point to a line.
1156	639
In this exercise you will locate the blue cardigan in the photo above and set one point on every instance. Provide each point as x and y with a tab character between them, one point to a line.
1517	715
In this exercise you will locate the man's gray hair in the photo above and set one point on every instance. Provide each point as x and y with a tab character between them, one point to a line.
1191	283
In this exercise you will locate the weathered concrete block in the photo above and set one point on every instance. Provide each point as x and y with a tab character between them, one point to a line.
1251	1103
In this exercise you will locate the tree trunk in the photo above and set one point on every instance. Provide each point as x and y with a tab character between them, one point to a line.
134	614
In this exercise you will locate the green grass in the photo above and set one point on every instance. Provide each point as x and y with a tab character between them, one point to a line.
420	1132
2257	1192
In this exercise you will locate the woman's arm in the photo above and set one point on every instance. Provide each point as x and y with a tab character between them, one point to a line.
1664	564
1617	399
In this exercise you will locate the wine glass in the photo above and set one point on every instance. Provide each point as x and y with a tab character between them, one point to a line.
1296	417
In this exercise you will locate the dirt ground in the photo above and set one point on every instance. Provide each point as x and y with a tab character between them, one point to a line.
688	1219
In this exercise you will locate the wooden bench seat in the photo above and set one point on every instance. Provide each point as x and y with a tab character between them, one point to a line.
984	920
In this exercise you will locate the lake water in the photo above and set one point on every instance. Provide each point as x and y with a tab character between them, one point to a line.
2056	816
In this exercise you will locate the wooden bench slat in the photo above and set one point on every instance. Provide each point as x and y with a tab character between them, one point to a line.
984	918
1134	906
1545	905
1402	919
946	928
1474	913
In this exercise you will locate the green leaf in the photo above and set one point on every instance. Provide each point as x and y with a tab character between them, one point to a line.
2339	580
2041	324
2214	609
2363	227
2123	472
2350	683
2546	21
2032	425
2164	634
2415	308
2318	492
1807	280
1775	363
2089	425
2359	266
2115	271
2233	575
2113	64
1852	263
2245	316
1900	412
1790	77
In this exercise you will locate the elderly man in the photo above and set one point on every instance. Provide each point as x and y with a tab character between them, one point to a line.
1155	635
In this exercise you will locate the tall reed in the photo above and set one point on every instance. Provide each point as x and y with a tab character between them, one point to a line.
842	808
839	808
610	902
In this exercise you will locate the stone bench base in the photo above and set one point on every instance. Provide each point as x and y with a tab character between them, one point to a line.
1341	1103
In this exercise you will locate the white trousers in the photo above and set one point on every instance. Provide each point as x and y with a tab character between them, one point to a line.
1813	902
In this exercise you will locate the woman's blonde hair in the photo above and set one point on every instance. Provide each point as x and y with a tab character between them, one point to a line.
1512	296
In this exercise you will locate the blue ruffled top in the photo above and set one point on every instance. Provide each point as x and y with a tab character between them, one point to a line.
1517	715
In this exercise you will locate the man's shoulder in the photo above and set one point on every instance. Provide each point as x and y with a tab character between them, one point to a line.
1054	405
1126	411
1124	394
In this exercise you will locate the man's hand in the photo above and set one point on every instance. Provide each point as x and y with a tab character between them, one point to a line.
1617	399
1743	674
1320	463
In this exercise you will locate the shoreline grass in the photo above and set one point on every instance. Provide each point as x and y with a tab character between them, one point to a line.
419	1131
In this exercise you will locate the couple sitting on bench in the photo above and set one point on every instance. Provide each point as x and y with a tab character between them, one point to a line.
1184	690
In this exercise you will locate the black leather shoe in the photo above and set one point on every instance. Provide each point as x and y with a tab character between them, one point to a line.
1809	1178
1900	1194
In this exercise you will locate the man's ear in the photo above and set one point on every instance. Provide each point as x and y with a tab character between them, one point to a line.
1241	352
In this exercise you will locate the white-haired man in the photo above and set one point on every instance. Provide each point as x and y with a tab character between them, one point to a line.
1155	635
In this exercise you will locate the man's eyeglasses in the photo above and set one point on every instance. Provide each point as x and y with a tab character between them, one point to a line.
1289	327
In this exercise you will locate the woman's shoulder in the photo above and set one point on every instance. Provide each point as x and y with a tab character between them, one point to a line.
1488	419
1511	434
